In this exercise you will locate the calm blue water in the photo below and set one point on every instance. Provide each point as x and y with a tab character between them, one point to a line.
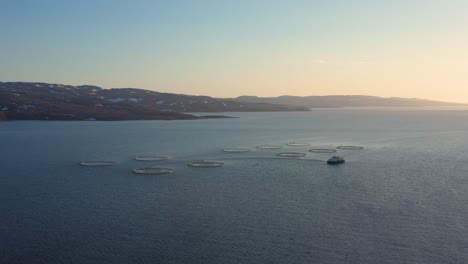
403	199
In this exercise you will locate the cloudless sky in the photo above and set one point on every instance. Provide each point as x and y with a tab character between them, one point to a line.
227	48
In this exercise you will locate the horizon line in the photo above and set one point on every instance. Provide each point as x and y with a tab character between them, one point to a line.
242	95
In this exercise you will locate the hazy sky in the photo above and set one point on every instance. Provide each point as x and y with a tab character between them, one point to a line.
404	48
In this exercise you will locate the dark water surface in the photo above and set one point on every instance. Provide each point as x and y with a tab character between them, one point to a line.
403	199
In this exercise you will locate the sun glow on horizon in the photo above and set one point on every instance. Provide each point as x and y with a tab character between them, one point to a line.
401	48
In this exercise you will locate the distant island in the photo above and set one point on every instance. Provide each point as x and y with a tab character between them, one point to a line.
45	101
337	101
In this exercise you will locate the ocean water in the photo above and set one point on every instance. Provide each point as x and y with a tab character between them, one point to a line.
402	199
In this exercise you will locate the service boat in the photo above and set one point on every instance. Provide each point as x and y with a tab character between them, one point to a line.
335	160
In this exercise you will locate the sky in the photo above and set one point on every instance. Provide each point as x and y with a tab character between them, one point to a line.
228	48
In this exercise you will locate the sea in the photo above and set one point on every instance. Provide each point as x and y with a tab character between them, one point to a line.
403	198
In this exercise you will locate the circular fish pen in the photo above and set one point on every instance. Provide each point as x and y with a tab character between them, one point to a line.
97	163
350	147
294	144
236	150
292	154
322	150
152	170
205	164
150	158
269	147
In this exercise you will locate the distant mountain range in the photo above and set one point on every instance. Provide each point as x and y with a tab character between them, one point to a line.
344	101
44	101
